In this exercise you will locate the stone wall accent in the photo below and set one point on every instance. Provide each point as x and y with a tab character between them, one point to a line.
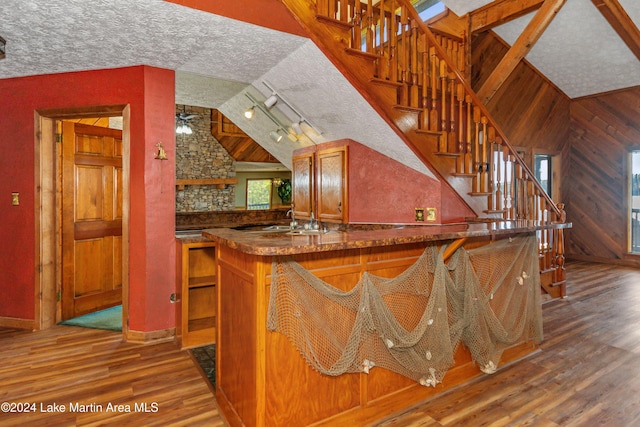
198	156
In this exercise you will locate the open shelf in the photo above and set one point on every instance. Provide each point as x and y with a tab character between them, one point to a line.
199	282
197	278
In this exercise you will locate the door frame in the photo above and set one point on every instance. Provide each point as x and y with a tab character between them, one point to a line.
48	265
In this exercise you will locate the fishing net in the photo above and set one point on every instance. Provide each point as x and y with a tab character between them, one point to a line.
487	298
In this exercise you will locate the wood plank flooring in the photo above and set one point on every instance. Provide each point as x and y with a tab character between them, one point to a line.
587	372
97	379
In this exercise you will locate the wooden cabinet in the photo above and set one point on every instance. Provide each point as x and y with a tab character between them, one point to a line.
320	183
198	305
331	188
303	166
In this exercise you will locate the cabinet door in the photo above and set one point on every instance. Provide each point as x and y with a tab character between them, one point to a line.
332	185
303	185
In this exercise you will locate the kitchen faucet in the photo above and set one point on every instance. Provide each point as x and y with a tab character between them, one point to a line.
293	222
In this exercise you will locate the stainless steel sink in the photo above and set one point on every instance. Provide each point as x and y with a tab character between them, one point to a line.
277	228
303	232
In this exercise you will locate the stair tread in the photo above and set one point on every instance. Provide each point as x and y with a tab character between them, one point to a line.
335	22
429	132
408	108
480	193
437	153
378	80
465	175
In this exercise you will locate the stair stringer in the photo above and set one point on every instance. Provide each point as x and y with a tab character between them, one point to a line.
333	39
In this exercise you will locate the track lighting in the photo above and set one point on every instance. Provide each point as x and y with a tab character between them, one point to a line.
275	136
295	126
271	101
249	113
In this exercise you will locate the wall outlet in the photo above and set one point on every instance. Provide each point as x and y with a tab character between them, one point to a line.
419	214
15	199
431	214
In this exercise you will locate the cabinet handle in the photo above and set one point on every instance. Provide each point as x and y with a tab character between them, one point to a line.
340	207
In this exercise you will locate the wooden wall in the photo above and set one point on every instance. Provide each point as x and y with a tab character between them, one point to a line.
593	135
604	129
531	111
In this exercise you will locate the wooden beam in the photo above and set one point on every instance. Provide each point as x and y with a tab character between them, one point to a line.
501	11
520	48
621	23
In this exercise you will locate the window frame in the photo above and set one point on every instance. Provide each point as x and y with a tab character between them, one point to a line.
248	185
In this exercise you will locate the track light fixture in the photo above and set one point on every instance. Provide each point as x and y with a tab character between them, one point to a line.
275	136
296	126
281	128
271	101
249	113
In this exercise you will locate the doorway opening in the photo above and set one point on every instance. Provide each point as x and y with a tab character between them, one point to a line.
87	240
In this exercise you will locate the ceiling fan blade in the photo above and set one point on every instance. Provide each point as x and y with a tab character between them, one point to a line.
183	116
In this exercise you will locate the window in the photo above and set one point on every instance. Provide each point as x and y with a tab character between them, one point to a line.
427	9
542	171
258	193
635	202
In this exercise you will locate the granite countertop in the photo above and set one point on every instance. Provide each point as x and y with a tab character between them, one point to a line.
260	242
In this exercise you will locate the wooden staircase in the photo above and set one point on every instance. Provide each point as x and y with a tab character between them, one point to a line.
414	79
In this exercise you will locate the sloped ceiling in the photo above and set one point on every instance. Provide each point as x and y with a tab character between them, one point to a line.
579	52
217	58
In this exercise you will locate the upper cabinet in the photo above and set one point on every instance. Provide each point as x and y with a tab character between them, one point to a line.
332	184
302	176
320	183
346	182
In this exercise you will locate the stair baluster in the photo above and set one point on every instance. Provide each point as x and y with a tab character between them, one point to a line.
426	69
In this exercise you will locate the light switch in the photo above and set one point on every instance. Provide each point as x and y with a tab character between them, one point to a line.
15	199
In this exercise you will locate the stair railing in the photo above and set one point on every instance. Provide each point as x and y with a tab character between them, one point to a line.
431	82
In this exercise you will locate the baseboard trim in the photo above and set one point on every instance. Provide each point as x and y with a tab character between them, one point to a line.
629	260
152	337
16	323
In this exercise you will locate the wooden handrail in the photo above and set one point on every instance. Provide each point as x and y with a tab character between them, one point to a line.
476	100
433	102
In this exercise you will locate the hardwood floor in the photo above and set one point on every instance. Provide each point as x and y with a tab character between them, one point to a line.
83	371
587	372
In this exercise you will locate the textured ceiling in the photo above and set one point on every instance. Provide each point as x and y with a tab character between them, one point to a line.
579	51
216	59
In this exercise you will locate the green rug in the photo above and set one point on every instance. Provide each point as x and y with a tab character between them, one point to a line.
109	319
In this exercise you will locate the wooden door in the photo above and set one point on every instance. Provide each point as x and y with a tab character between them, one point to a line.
302	175
332	184
91	218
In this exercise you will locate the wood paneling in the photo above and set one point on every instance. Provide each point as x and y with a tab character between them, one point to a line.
605	129
530	110
238	144
594	135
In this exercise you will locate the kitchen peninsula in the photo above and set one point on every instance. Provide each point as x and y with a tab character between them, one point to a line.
263	380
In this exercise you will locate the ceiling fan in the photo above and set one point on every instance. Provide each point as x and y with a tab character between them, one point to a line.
182	123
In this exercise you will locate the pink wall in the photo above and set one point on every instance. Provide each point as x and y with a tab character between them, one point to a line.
384	191
150	94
